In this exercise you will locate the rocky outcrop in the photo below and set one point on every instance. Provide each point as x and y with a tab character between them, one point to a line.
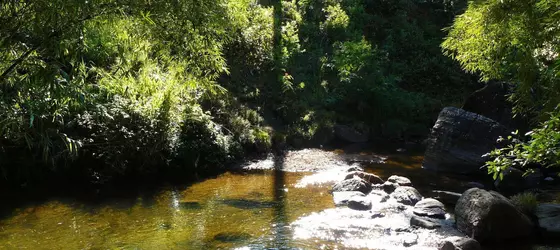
459	139
490	217
430	207
354	184
549	219
406	195
349	134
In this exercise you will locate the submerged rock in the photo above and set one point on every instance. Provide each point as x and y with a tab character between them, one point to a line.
359	203
406	195
490	217
354	184
402	181
430	207
459	139
549	219
342	198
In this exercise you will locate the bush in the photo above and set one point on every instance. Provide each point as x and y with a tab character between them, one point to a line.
525	202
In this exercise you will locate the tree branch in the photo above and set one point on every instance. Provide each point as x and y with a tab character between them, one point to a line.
15	64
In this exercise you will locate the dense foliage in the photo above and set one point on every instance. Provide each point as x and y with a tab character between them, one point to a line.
99	89
516	41
119	86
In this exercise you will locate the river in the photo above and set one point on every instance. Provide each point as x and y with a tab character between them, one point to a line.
244	209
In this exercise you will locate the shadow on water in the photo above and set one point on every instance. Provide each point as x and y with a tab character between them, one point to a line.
249	204
190	205
232	237
280	221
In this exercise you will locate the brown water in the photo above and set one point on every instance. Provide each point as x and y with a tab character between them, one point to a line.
233	210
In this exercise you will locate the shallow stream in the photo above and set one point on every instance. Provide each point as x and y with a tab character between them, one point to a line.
250	209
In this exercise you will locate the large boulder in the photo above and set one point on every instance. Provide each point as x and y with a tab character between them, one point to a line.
355	184
349	134
549	219
406	195
459	139
490	217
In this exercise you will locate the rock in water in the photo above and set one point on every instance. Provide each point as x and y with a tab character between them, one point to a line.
549	219
389	187
459	139
447	245
423	222
410	239
446	197
406	195
354	184
490	217
359	203
430	207
371	178
342	198
402	181
465	243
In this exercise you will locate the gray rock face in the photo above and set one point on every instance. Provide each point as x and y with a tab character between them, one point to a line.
402	181
490	217
359	203
514	182
423	222
371	178
446	197
549	219
406	195
459	139
342	198
349	134
430	207
354	184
